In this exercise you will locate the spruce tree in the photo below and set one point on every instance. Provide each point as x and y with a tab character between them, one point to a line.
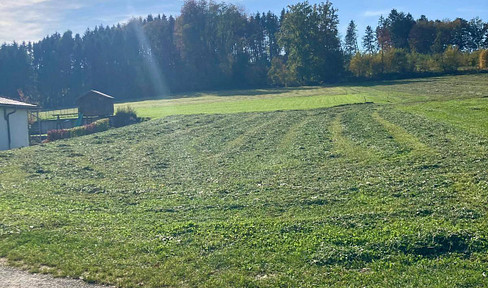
369	41
351	40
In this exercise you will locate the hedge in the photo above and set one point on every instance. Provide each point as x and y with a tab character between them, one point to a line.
97	126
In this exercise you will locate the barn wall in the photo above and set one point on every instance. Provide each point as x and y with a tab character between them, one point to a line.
19	129
94	105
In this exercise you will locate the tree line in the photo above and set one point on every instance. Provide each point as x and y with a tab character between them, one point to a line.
402	45
217	46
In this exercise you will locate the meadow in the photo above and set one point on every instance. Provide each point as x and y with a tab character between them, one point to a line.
261	100
377	184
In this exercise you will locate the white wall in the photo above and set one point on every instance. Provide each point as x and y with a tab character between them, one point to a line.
3	131
19	129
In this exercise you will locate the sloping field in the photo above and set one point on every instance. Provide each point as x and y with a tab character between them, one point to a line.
357	195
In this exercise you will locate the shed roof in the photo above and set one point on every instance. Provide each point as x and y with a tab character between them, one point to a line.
97	93
5	102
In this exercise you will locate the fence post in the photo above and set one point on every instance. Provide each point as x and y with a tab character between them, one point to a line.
40	126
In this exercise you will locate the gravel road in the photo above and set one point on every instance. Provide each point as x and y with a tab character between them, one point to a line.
14	278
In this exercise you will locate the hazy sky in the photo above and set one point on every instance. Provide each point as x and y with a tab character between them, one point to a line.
31	20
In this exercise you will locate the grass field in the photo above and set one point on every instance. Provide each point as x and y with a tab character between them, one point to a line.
303	98
384	195
261	100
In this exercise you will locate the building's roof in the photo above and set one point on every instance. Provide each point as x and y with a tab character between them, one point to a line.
97	93
5	102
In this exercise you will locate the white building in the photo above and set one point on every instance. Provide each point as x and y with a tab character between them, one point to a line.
14	126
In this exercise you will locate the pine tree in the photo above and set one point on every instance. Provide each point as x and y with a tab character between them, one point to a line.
399	26
351	40
369	41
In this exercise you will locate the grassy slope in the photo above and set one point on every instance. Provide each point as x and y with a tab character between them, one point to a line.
382	195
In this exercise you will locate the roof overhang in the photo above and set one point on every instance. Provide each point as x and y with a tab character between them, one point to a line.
9	103
94	92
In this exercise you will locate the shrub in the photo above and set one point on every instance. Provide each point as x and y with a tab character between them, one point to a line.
98	126
124	116
392	61
280	75
396	61
57	134
359	64
77	131
95	127
471	59
451	59
399	61
484	59
422	62
377	66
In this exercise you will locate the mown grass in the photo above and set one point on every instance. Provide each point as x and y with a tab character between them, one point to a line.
357	195
470	114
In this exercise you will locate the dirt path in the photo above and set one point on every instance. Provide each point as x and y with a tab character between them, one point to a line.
14	278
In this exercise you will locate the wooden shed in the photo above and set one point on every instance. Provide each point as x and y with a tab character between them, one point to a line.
95	103
14	125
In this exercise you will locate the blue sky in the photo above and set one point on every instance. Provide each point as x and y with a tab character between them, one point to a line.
31	20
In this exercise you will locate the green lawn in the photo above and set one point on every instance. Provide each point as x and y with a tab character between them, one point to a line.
383	195
261	100
210	105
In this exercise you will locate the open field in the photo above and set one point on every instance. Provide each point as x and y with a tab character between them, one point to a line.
387	194
302	98
261	100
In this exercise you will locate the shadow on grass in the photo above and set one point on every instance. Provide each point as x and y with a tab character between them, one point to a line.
243	92
369	83
229	93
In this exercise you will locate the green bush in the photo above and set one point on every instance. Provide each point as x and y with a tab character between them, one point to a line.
422	62
360	65
396	62
451	59
280	75
77	131
399	61
100	125
471	59
124	116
